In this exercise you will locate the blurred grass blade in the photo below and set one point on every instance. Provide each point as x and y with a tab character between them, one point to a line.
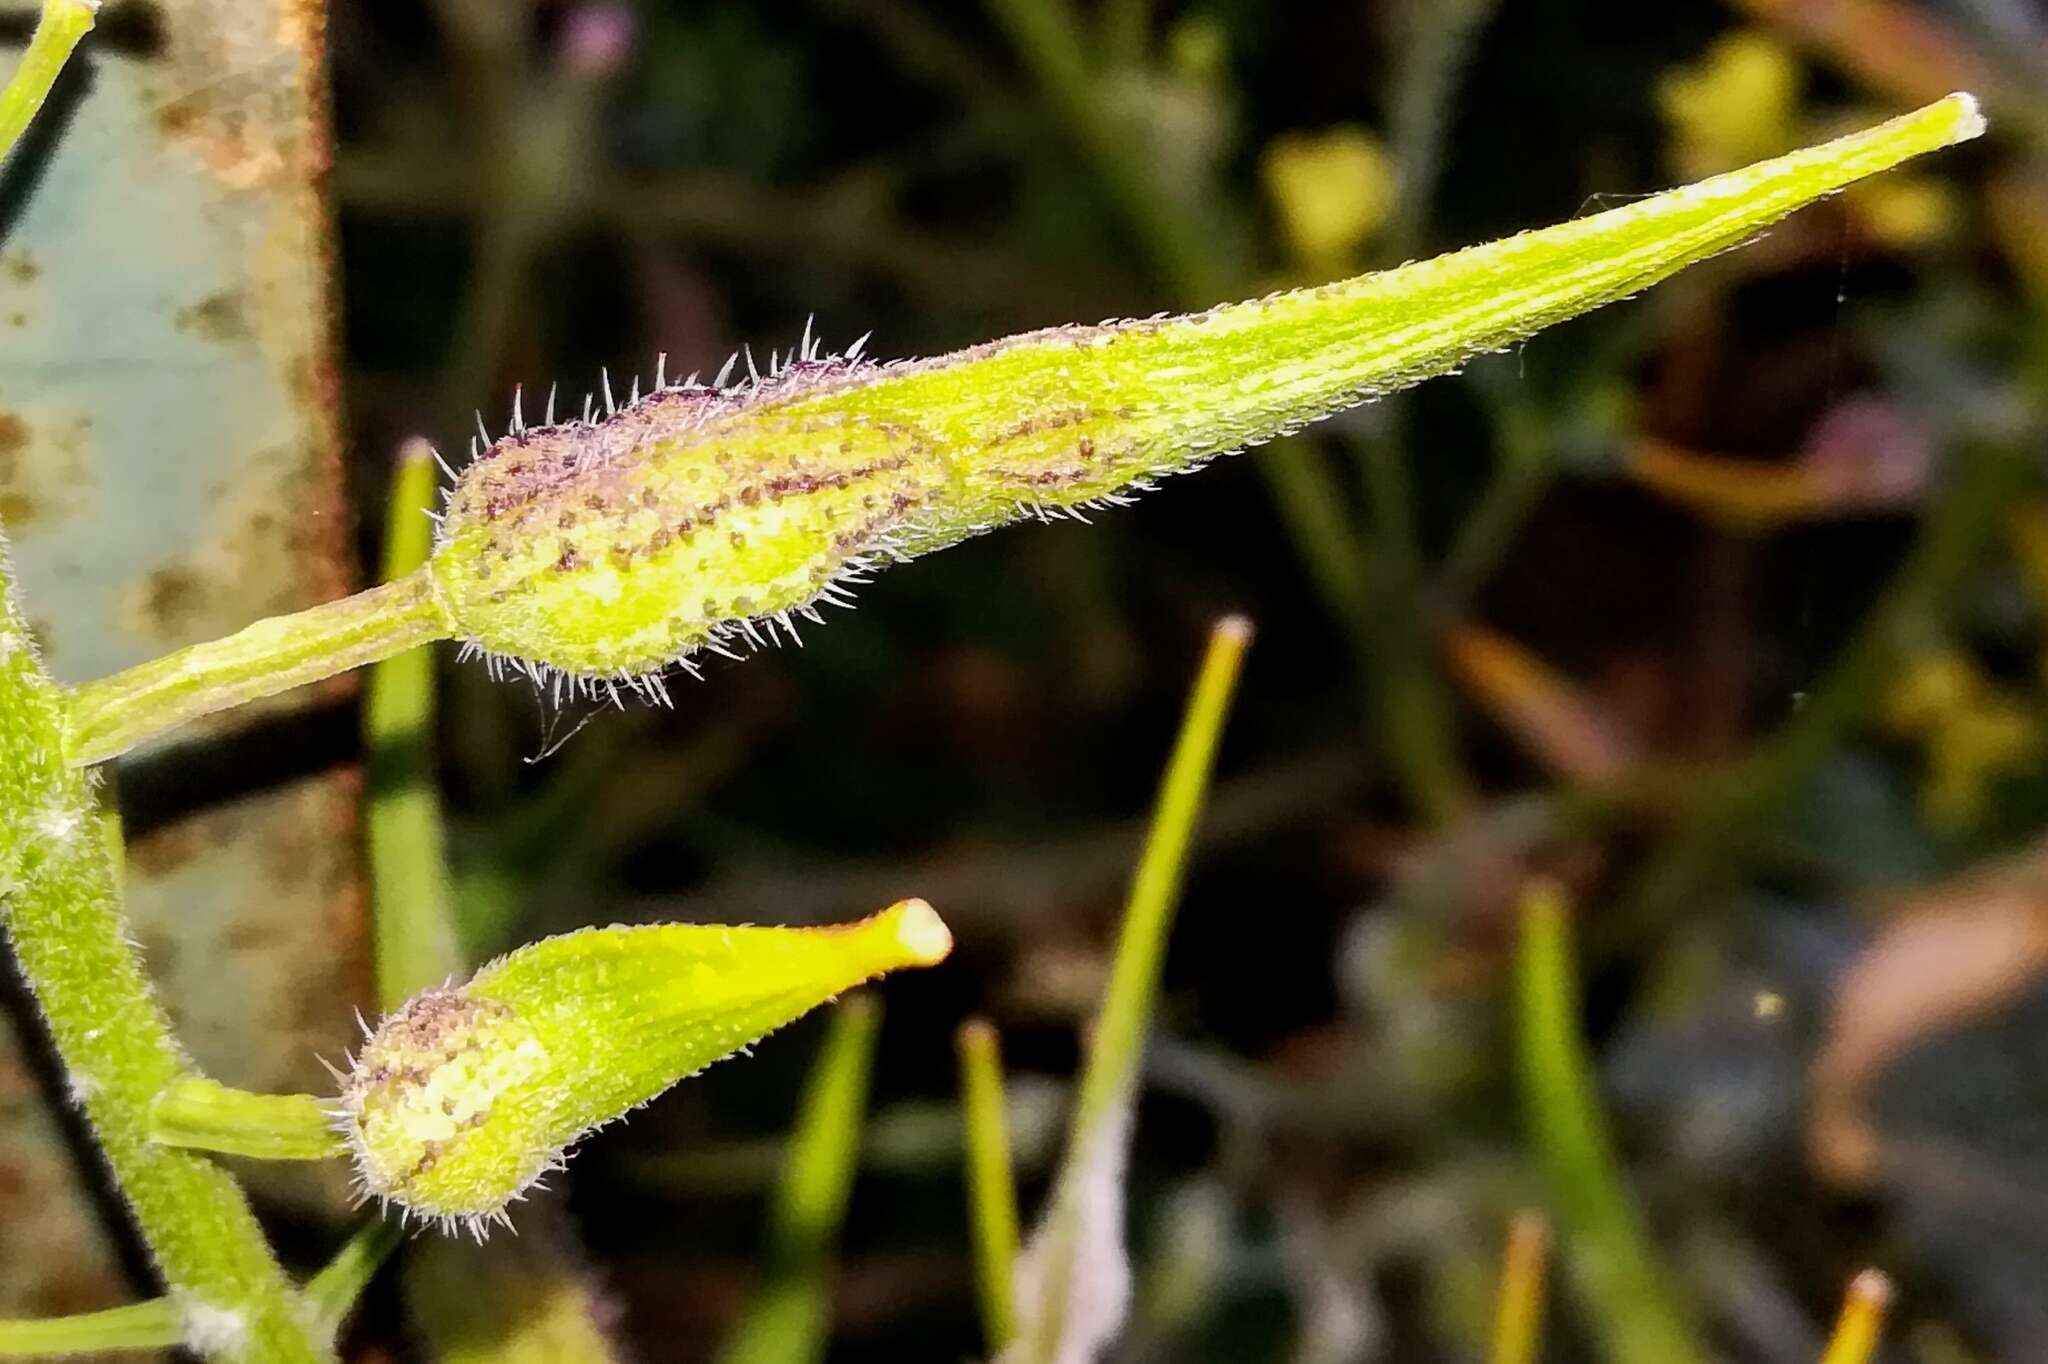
152	1325
1518	1321
1073	1279
1544	710
332	1293
790	1318
991	1179
415	927
500	1302
1862	1320
1606	1247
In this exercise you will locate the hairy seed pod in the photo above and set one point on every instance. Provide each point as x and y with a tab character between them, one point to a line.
605	549
466	1096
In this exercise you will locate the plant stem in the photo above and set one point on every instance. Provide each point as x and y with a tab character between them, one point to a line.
1605	1244
157	1324
152	1325
406	840
332	1293
114	714
991	1180
205	1115
62	24
63	915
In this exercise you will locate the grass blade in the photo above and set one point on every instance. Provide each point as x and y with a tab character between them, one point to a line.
991	1179
1073	1279
790	1319
1608	1251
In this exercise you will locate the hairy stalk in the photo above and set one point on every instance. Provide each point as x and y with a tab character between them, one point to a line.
592	554
63	916
152	1325
58	31
200	1114
112	715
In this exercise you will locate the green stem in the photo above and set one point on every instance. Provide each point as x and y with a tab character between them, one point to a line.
991	1180
1742	807
1046	1328
157	1323
1605	1244
411	906
152	1325
63	915
205	1115
114	714
332	1293
62	24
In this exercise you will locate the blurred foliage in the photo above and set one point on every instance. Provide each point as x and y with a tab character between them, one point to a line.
1723	611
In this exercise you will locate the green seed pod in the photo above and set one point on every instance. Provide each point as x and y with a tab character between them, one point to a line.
462	1099
601	550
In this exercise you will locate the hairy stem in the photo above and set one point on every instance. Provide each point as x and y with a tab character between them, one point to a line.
114	714
152	1325
205	1115
63	916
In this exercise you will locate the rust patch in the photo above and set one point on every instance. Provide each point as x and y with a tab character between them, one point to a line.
217	317
20	266
173	601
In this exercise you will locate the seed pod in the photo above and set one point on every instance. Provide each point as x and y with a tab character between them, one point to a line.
462	1099
606	549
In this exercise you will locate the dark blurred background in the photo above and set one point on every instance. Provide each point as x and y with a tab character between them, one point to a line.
1647	606
1725	609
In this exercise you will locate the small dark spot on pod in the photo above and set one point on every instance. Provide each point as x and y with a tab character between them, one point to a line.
738	540
658	541
567	520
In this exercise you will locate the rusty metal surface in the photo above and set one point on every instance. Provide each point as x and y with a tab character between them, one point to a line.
169	472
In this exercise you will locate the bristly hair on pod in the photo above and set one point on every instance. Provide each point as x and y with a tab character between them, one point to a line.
466	1097
594	553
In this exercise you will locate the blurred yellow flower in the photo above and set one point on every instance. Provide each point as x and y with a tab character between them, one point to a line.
1331	190
1735	106
1905	211
1970	730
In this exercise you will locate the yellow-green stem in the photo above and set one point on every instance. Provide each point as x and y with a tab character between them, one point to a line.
114	714
58	30
58	855
152	1325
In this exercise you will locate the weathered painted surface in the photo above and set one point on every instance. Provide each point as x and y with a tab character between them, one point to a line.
170	471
